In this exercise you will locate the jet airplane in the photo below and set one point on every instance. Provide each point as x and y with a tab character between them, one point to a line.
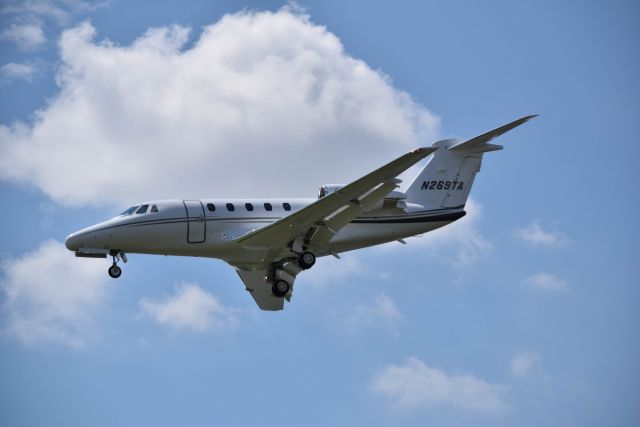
270	241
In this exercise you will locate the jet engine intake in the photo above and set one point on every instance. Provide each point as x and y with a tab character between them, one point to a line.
327	189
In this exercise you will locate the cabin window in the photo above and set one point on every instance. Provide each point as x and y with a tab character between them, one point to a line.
286	206
230	207
249	206
143	209
268	207
211	207
154	208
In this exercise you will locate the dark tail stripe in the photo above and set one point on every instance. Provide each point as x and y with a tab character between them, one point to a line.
429	218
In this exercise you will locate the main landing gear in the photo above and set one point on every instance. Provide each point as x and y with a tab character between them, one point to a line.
280	288
281	276
306	260
115	271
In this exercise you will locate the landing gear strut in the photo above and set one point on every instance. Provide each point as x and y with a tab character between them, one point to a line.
115	271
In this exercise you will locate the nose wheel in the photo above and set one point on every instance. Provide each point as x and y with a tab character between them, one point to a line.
115	271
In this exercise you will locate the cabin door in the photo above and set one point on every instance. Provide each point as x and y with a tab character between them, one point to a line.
196	224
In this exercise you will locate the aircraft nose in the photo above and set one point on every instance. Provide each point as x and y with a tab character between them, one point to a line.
71	242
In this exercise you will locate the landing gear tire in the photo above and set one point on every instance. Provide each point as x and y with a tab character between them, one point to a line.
115	271
306	260
280	288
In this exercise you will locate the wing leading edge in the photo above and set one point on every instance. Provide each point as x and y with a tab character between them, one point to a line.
325	217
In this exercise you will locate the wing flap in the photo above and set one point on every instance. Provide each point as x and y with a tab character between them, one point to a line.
327	230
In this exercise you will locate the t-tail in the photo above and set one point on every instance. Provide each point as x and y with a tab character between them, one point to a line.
446	179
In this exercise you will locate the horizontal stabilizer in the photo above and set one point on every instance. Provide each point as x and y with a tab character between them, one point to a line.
480	144
446	179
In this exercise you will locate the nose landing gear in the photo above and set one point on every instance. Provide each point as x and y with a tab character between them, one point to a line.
115	271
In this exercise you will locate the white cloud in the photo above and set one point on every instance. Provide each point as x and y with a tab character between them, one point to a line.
190	308
523	363
269	99
13	71
414	385
382	312
58	10
26	36
30	9
534	235
546	281
52	296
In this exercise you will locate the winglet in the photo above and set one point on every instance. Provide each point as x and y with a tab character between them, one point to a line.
480	143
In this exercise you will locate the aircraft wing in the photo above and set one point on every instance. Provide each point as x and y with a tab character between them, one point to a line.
319	221
254	282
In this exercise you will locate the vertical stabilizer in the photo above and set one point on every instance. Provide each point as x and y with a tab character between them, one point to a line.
446	179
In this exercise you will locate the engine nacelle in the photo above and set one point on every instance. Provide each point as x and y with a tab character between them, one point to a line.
325	190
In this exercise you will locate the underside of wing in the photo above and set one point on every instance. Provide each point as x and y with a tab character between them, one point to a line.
261	284
260	289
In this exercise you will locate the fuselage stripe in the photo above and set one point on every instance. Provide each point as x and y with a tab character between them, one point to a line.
414	217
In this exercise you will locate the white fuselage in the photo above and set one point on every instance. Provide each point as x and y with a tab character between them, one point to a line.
193	228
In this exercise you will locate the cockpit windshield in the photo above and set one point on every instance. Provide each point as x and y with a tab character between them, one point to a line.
129	211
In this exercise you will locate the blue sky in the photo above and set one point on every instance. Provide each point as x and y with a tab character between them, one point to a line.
522	313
